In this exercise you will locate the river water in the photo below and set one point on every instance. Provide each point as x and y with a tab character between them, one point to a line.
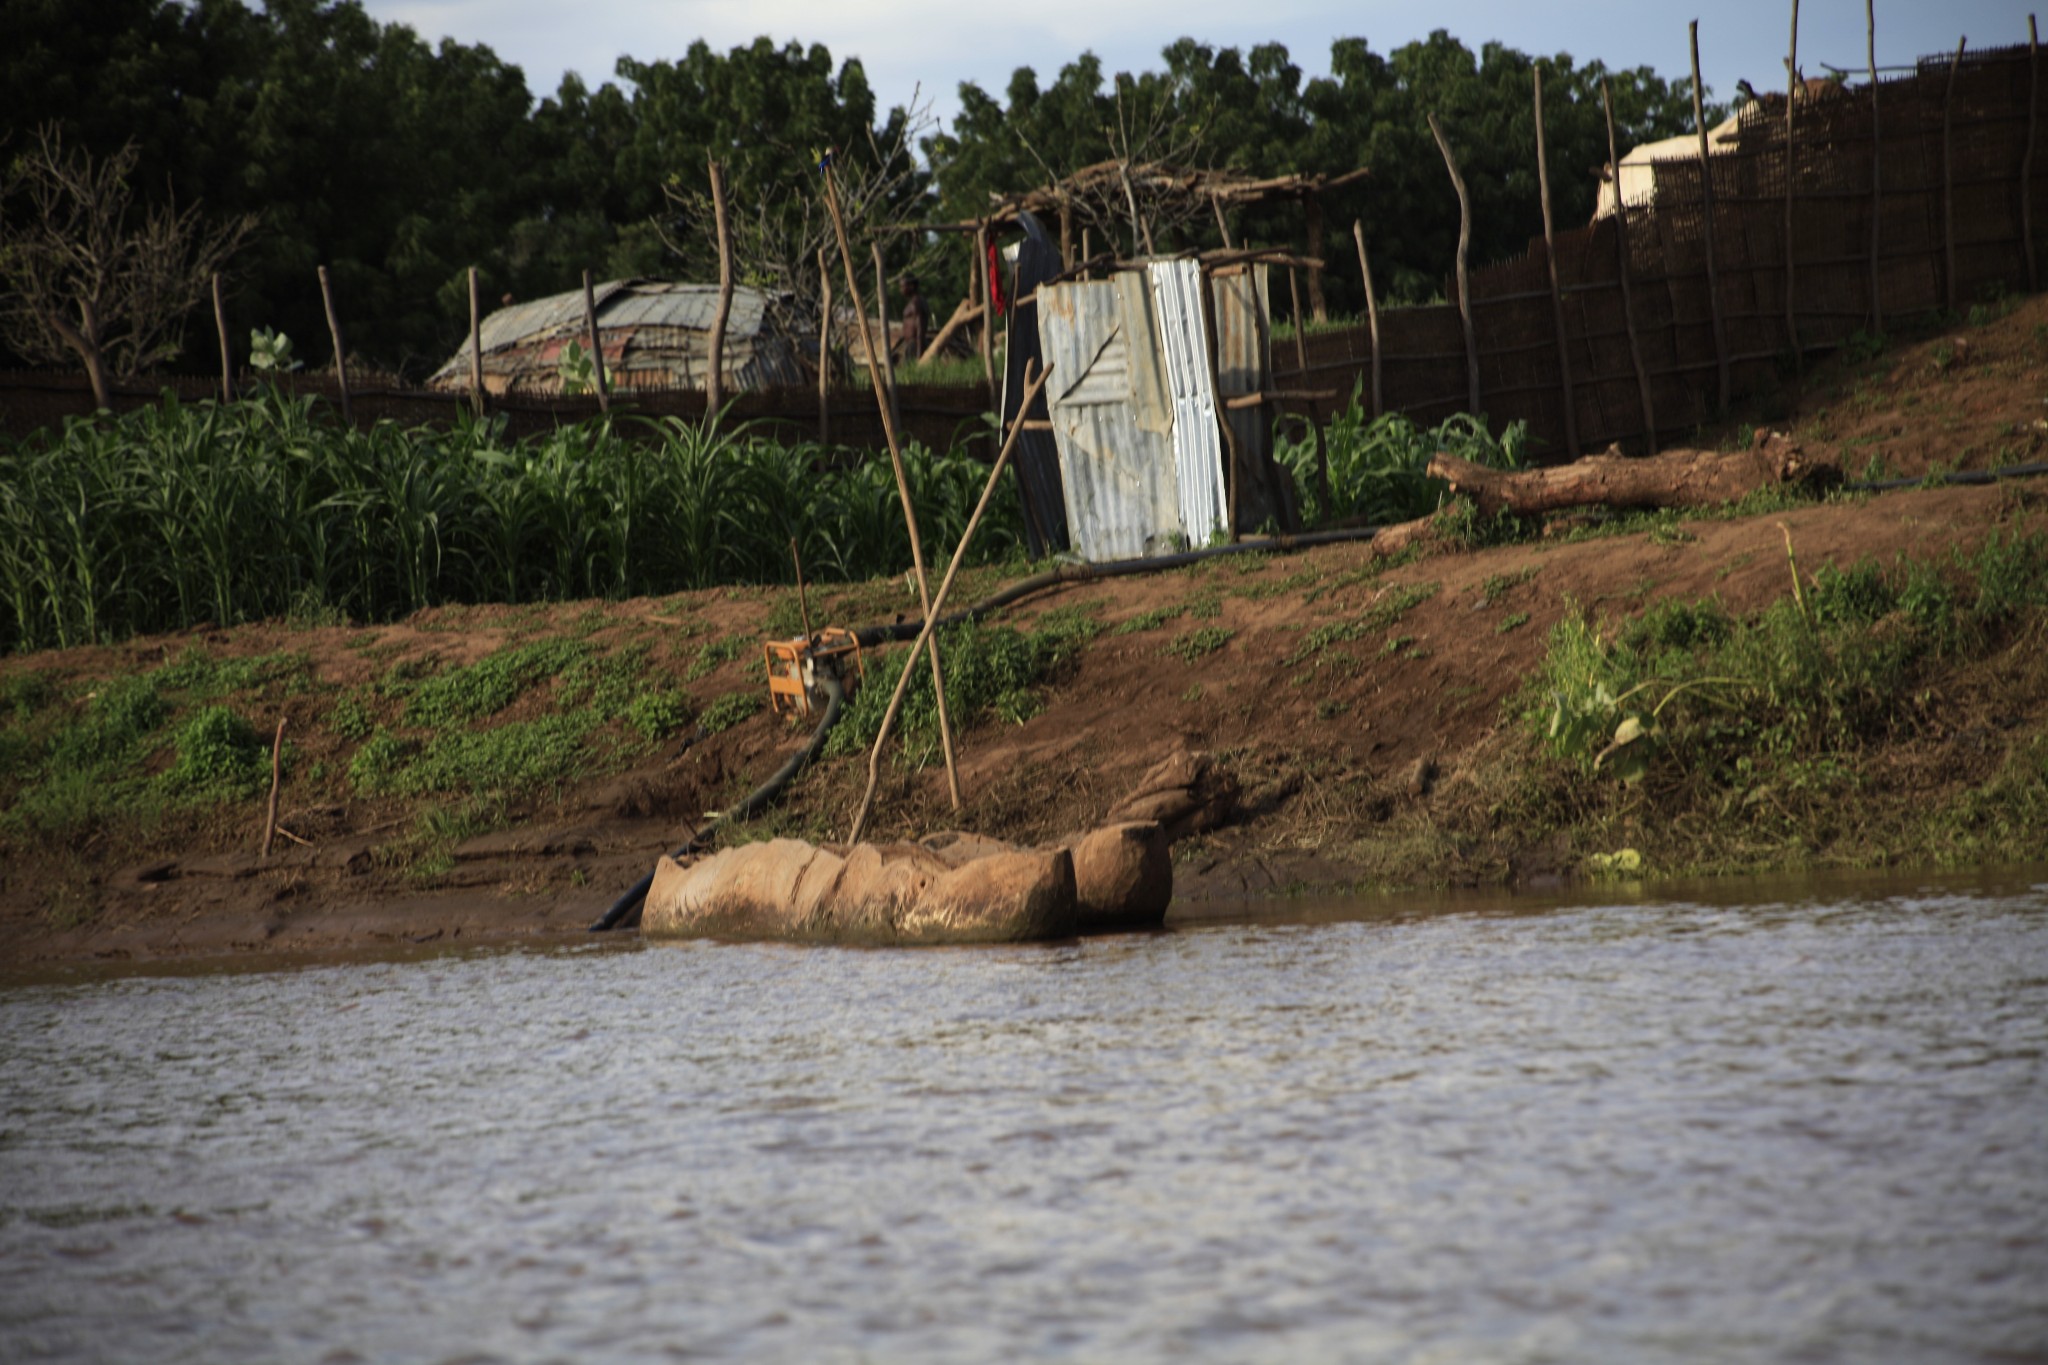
1751	1124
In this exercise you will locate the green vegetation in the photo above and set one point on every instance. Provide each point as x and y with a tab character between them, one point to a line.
1758	726
1149	620
1391	607
189	513
1191	645
1377	464
991	671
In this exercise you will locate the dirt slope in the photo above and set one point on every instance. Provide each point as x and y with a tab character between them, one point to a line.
1357	757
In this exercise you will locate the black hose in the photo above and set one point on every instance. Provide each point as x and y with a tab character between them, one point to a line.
1962	476
624	913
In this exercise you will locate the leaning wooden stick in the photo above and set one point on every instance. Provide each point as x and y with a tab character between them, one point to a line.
276	780
924	592
1032	384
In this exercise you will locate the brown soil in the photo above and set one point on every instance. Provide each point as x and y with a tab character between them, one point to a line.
1375	752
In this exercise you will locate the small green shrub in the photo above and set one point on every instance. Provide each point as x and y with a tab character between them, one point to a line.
219	755
1191	645
729	710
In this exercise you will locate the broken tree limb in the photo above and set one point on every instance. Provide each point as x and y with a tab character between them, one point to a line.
1676	478
966	312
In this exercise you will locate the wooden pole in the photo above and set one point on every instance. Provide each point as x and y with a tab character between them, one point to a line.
1876	179
803	606
340	354
1222	223
1791	180
1372	310
1628	303
1948	175
1033	382
227	355
1564	356
714	372
1464	280
888	346
476	348
276	783
824	350
1300	330
2027	159
1066	235
1318	306
1699	119
924	592
604	396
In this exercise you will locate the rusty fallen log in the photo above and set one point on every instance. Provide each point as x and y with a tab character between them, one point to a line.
1675	478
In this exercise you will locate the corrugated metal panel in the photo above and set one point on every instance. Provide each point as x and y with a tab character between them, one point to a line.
1243	365
1197	445
1109	417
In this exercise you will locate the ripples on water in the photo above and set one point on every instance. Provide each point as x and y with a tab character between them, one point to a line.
1808	1129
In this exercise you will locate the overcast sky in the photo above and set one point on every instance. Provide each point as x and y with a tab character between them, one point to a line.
937	44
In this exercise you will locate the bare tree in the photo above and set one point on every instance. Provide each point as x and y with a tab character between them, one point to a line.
778	232
86	276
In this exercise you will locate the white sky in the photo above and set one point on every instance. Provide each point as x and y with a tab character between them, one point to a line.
940	43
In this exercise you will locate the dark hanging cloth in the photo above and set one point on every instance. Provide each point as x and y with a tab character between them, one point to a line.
1037	457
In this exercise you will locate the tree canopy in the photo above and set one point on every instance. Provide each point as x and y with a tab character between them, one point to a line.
399	164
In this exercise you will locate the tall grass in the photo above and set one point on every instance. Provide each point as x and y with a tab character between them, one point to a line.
189	513
1377	463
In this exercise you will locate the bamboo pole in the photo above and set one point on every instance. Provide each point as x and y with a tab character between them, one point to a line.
902	480
824	350
1372	310
2027	158
1464	279
604	396
1876	178
888	345
1791	179
1033	382
1948	176
714	373
1564	357
1699	119
476	348
1628	302
340	354
227	355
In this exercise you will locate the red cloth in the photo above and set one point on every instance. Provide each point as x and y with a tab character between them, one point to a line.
995	279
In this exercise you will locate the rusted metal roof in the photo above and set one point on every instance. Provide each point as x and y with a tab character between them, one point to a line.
655	335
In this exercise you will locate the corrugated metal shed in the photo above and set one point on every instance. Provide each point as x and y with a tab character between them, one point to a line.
1134	411
655	335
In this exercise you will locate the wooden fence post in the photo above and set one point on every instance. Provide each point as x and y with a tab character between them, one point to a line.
2027	159
1791	178
1372	310
988	307
1564	355
1318	307
227	355
1222	223
340	354
714	374
1948	176
1464	280
604	397
1876	179
476	348
1699	119
1300	324
1628	302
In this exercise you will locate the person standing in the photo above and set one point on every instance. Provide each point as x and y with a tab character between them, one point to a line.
917	319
